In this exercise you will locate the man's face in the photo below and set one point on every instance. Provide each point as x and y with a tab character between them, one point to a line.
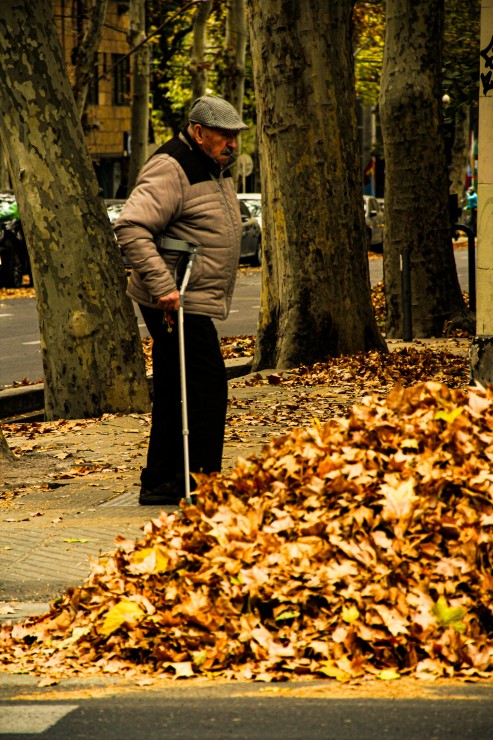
219	144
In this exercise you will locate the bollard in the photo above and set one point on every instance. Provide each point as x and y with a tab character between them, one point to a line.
407	318
471	262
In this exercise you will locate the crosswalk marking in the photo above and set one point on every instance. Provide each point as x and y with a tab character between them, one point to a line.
31	719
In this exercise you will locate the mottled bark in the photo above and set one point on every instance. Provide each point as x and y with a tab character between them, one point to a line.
5	452
416	184
316	290
90	342
197	66
141	87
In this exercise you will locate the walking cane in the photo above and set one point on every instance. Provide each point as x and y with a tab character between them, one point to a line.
183	377
176	245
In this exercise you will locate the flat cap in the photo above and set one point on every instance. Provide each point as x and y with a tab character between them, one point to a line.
215	112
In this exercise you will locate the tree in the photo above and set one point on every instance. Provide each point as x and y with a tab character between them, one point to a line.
141	88
234	53
198	65
91	348
90	20
6	453
316	289
460	74
416	184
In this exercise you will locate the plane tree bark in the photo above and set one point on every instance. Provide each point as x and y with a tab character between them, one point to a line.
416	174
6	453
91	349
316	297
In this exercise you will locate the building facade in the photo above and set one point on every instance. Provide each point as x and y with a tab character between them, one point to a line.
107	117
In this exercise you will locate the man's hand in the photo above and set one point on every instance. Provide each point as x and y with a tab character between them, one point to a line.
170	302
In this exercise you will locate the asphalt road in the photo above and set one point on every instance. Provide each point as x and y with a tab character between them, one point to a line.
293	711
20	354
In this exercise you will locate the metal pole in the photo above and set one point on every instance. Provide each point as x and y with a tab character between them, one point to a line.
407	318
183	377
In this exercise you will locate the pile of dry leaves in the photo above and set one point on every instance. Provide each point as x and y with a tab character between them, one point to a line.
374	369
360	548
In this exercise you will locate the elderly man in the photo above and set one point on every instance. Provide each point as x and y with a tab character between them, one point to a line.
185	191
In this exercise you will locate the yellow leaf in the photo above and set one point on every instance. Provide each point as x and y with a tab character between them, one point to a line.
350	614
74	539
448	416
150	560
287	615
330	669
447	616
388	674
124	611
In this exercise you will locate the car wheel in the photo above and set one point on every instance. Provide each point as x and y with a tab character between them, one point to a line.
256	260
14	269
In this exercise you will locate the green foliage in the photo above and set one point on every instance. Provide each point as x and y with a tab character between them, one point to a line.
460	50
171	81
368	45
461	53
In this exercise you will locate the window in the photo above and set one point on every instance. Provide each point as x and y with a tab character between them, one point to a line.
93	89
121	79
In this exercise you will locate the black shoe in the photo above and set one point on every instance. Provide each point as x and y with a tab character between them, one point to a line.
167	494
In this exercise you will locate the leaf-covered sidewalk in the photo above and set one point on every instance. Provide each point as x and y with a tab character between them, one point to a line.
361	547
349	535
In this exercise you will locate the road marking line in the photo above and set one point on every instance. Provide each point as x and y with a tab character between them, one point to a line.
37	342
6	315
235	310
24	719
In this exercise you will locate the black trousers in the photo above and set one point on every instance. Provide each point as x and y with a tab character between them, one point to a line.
207	397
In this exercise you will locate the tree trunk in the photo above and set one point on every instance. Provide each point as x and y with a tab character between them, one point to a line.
316	289
234	53
416	185
86	49
90	343
5	451
460	152
4	169
197	66
234	62
141	85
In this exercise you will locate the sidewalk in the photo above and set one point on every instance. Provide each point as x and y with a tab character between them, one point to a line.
75	484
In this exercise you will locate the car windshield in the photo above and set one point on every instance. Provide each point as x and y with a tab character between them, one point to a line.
254	206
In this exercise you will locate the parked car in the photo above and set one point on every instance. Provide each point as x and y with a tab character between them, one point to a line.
374	223
14	259
254	204
251	238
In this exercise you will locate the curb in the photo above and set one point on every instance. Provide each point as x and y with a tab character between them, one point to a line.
26	403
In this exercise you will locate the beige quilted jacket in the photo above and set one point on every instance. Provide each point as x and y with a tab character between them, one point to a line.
181	193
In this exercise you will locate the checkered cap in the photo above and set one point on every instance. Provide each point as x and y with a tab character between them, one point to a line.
209	110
